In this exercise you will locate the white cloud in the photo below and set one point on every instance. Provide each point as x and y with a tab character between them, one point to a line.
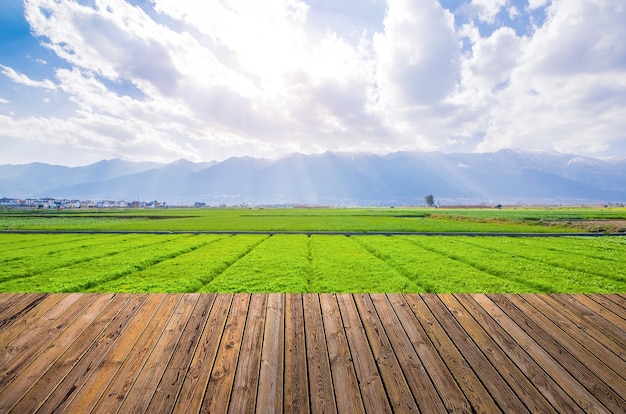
488	9
208	80
417	66
4	101
567	88
25	80
535	4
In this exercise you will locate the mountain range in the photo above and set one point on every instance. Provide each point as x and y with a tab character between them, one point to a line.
401	178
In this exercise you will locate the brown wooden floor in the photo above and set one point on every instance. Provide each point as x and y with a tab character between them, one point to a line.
346	353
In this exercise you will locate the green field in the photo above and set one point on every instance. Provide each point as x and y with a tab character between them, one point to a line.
94	261
527	220
319	263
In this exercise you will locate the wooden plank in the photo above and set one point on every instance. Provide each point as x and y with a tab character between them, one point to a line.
169	386
600	328
270	391
65	391
22	371
587	401
610	305
220	384
447	388
478	396
373	392
590	342
569	337
347	392
424	392
567	352
321	392
296	395
494	331
618	299
71	353
497	386
6	299
19	308
113	396
245	385
102	375
146	383
18	302
26	321
197	378
38	336
398	390
601	311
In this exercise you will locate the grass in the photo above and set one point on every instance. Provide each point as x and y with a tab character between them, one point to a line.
319	263
299	219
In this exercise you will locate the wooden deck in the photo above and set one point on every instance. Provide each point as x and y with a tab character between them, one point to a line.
190	353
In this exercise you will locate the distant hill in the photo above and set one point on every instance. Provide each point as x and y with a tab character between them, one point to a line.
506	176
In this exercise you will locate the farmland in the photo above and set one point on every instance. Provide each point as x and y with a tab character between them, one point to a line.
326	250
316	263
527	220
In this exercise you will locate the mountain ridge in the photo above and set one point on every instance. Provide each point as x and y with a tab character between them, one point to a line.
337	178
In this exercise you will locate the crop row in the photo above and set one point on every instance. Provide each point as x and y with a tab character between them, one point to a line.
319	263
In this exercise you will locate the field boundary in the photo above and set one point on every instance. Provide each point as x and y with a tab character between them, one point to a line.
314	232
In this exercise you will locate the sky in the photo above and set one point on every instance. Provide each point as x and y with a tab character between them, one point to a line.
162	80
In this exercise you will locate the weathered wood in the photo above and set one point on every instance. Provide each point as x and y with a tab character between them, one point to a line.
169	386
25	333
601	311
398	390
197	378
145	385
617	310
447	388
188	353
243	396
23	371
220	384
609	358
598	327
421	386
103	374
497	386
468	381
270	391
26	321
344	378
321	392
296	395
569	354
536	388
130	367
373	392
70	354
11	311
72	383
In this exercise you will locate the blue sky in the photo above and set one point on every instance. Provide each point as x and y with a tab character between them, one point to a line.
161	80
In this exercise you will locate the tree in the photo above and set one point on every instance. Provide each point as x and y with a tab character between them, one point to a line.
430	200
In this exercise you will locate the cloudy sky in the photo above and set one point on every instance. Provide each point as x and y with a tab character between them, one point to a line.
161	80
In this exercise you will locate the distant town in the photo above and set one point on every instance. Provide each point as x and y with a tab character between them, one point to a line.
60	204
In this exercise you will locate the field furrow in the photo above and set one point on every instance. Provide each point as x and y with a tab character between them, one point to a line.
84	275
433	271
189	271
91	248
278	264
340	264
566	260
535	275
